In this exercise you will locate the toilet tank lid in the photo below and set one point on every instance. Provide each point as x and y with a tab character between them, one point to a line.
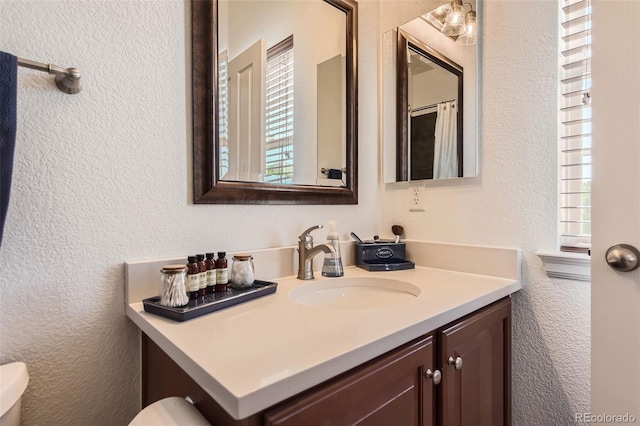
13	382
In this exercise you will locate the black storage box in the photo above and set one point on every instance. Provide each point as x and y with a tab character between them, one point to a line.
381	255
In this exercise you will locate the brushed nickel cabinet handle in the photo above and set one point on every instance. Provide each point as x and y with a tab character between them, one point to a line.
456	362
436	376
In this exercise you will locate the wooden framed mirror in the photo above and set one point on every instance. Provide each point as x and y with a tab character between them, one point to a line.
212	182
446	71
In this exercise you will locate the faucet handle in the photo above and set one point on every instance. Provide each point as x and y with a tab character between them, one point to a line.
306	235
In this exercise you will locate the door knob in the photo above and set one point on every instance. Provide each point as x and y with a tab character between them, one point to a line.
436	376
456	362
623	257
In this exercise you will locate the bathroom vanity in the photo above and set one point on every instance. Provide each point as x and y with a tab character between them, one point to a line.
398	387
440	355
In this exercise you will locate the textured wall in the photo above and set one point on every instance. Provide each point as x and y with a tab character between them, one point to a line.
513	204
103	177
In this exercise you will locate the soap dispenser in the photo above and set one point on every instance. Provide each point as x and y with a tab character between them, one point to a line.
333	261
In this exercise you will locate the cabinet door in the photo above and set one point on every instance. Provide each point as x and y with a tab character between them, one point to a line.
390	390
478	391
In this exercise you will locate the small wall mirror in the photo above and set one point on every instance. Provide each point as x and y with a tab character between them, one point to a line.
275	92
430	104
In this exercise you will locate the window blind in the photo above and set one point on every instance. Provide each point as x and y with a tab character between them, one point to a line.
279	119
575	125
223	112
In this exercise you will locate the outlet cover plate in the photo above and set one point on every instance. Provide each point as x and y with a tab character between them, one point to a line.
416	198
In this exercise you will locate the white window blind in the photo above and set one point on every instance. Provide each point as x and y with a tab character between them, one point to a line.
575	125
279	120
223	113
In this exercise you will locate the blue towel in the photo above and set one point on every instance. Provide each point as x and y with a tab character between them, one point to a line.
8	89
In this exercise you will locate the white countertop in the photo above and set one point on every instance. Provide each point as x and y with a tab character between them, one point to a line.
251	356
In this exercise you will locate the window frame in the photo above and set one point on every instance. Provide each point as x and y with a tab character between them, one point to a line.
571	262
574	121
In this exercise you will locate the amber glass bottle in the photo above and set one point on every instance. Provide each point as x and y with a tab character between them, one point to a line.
222	272
202	266
193	277
211	273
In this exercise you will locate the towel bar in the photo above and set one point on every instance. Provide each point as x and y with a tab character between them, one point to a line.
67	80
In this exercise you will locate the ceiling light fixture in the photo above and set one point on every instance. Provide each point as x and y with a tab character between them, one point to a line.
451	20
454	22
470	34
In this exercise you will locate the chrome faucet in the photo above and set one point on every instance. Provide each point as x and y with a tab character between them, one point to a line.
306	252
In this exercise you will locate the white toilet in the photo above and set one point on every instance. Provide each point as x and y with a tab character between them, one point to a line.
13	382
173	411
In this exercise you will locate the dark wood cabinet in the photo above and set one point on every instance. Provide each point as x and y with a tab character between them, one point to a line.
478	390
162	378
398	388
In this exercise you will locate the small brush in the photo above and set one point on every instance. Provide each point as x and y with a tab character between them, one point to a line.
397	231
355	237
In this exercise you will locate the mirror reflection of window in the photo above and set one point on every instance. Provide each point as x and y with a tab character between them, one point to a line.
279	120
278	157
223	113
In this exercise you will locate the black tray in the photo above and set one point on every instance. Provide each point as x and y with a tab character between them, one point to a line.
390	265
209	303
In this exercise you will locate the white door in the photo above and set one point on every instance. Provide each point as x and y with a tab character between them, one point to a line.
332	145
247	114
615	296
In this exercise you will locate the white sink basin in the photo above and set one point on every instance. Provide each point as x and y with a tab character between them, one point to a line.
354	293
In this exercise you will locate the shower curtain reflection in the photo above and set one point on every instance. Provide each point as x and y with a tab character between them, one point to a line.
445	157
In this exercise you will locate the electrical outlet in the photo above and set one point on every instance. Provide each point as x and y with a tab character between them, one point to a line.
416	198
